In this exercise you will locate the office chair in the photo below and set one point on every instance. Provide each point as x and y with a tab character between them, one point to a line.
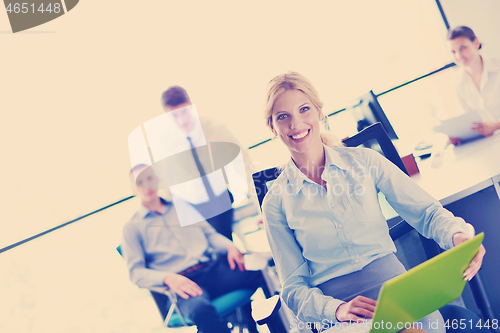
225	305
405	237
265	312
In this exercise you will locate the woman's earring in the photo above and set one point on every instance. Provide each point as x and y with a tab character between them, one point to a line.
324	120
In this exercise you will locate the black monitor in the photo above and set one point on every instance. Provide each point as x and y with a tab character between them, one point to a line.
369	111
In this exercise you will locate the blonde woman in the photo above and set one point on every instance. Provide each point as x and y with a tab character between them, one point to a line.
328	236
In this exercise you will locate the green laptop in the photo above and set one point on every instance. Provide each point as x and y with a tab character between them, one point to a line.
420	291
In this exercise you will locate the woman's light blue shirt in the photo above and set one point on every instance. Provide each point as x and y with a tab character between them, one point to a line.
317	234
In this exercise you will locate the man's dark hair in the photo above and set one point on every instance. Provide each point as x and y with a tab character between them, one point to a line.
174	96
462	31
138	166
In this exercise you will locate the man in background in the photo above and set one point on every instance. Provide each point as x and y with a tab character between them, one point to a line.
206	195
159	252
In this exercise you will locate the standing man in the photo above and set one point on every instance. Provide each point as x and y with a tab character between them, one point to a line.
159	252
207	194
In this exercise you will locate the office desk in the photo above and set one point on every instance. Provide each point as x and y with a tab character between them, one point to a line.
467	184
465	170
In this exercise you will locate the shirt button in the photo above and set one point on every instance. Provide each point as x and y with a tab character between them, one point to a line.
348	245
356	261
340	225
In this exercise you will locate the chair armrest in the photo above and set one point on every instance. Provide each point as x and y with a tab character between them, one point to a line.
172	296
262	310
399	229
160	290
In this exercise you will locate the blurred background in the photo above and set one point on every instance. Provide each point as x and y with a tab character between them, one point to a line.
74	88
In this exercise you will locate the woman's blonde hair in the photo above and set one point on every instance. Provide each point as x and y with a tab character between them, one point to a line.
296	81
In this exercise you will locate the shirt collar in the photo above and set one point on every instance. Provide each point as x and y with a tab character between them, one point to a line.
333	159
489	65
144	211
296	178
195	130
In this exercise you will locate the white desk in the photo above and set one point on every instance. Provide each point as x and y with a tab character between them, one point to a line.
467	185
465	170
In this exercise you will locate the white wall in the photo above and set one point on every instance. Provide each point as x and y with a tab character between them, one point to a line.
482	16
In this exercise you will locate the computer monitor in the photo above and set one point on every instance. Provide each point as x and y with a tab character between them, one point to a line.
369	111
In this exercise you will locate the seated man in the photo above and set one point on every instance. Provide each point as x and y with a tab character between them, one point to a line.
159	252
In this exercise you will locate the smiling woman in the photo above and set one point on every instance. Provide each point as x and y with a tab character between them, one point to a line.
331	245
295	120
281	111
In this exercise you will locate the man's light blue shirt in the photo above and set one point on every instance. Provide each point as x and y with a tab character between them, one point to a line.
316	234
154	244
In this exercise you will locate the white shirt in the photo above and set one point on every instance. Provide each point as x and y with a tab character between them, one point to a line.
154	244
194	190
166	140
486	100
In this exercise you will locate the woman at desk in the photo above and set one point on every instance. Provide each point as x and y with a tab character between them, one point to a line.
477	82
329	239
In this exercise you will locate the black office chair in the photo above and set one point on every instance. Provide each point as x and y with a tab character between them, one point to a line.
412	247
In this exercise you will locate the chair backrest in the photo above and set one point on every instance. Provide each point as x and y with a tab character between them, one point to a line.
375	135
261	179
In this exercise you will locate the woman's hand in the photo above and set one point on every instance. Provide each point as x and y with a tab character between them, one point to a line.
476	262
358	308
235	258
486	128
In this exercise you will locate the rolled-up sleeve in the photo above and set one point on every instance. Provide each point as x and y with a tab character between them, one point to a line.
133	253
308	303
413	203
